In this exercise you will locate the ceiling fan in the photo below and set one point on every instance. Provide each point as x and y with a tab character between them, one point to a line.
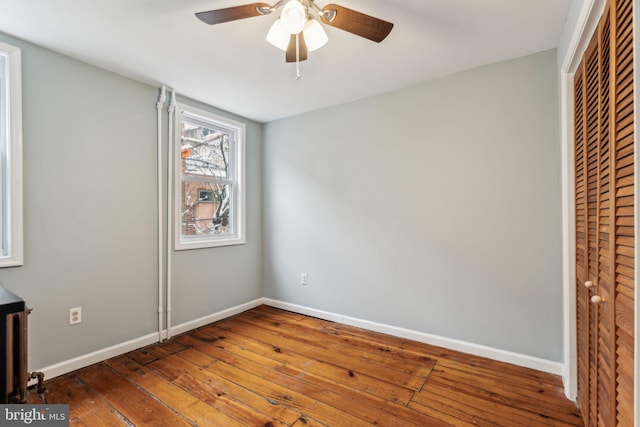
297	31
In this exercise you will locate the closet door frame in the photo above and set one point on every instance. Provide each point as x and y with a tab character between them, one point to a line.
586	25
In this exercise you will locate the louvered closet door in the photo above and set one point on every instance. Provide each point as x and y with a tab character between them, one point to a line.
592	219
624	265
604	202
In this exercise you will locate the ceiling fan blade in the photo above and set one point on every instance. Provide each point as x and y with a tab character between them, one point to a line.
291	49
219	16
356	22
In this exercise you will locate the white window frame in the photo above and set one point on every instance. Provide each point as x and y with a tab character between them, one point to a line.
11	157
238	199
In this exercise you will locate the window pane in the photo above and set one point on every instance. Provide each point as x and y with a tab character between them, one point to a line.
204	151
205	209
208	176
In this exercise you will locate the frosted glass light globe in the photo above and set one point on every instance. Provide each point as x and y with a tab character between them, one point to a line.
314	35
293	17
278	36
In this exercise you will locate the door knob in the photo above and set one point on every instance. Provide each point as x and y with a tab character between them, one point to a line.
597	299
589	284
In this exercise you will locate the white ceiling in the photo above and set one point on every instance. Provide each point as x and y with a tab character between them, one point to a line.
232	67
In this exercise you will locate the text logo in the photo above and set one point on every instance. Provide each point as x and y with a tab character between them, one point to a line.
34	415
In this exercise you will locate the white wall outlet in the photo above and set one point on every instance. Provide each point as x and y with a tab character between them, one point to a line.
75	315
304	279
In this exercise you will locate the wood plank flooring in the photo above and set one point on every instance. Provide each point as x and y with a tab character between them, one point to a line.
269	367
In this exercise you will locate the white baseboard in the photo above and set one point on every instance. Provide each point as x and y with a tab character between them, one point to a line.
193	324
538	364
70	365
116	350
134	344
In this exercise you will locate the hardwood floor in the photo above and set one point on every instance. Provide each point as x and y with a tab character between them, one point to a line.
269	367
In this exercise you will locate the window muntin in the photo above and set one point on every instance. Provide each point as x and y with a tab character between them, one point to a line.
209	180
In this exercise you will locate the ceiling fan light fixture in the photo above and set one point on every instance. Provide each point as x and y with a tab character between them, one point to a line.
278	36
293	17
299	28
314	35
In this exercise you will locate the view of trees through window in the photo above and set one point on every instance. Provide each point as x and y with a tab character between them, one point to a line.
207	180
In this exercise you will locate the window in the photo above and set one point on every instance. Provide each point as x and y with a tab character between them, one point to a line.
209	180
10	156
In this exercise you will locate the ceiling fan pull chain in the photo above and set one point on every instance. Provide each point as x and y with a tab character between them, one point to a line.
298	56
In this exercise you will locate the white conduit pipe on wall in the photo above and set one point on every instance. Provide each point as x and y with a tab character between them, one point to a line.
161	100
172	142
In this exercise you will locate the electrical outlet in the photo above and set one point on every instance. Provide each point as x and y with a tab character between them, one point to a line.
75	315
304	279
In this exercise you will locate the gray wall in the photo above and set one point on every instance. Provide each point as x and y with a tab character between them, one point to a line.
90	214
568	29
435	208
210	280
